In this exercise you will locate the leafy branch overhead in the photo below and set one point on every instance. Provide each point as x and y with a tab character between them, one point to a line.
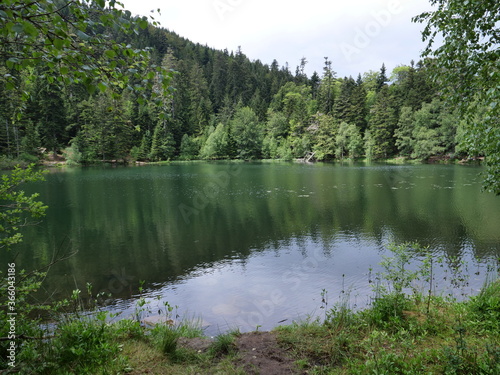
16	207
76	42
463	44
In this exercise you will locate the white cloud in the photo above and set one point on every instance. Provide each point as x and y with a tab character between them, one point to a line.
356	35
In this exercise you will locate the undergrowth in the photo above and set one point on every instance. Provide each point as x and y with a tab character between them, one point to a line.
407	329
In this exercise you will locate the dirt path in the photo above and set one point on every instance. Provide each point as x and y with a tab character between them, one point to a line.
258	353
261	354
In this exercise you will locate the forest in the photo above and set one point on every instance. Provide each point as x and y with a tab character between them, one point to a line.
225	106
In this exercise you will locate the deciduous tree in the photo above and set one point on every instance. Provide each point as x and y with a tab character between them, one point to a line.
463	46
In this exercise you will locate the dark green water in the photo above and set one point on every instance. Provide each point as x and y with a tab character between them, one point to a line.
247	244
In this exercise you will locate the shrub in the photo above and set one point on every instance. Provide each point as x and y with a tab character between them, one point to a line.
485	307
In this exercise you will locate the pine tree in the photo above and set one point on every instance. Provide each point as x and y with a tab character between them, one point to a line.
218	81
47	108
31	142
434	131
382	78
343	110
200	107
404	132
314	82
359	105
326	93
382	125
189	148
162	144
369	144
239	78
300	75
145	146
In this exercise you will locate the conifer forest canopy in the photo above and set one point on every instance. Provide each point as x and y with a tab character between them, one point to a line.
88	80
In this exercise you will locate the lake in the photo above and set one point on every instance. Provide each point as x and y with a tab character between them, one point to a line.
253	244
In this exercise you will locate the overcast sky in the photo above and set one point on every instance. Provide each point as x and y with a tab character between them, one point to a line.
356	35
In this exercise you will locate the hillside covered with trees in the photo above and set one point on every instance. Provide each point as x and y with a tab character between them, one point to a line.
226	106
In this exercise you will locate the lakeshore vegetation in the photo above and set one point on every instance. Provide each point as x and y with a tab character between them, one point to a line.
89	81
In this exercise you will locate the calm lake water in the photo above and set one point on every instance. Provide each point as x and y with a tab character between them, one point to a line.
253	244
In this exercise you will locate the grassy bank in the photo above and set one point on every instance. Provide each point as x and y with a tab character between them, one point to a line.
406	330
392	337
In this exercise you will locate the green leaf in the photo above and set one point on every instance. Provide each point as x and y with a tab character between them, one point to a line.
18	28
30	29
90	88
110	53
143	24
102	86
58	43
82	35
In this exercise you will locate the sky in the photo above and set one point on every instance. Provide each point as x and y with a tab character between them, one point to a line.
356	35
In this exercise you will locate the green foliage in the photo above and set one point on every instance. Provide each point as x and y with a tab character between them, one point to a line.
404	132
277	125
189	148
105	131
25	324
69	43
284	150
464	65
115	91
15	206
344	108
223	345
31	142
216	146
485	307
269	147
72	154
145	147
56	56
83	343
247	134
348	141
169	339
395	335
460	359
324	136
382	124
391	299
162	144
431	131
327	90
369	143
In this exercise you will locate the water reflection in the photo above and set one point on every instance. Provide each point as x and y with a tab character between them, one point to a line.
221	237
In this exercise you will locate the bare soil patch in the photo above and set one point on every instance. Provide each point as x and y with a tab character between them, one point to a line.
260	353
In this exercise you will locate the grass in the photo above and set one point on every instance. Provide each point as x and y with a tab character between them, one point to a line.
456	338
400	333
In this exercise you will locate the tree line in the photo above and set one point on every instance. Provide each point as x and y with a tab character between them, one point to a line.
223	105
